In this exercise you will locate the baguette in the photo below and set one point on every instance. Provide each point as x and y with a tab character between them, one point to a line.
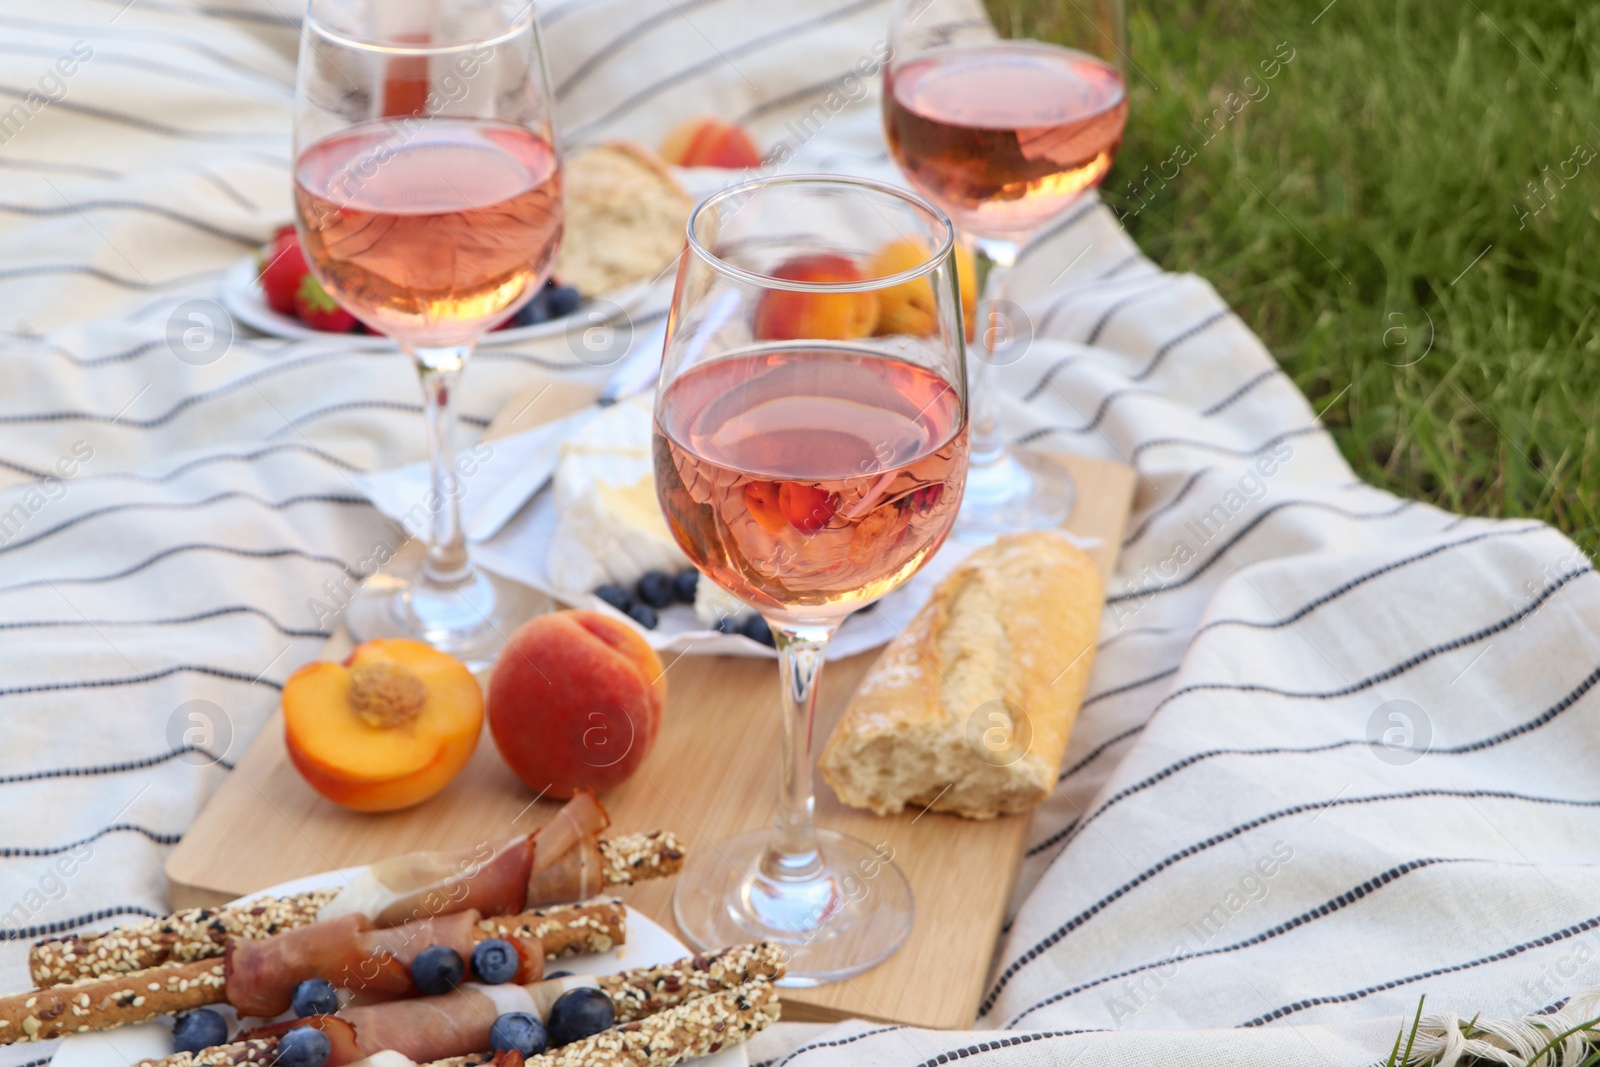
625	217
200	933
970	709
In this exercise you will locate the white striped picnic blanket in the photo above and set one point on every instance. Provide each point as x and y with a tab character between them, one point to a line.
1339	749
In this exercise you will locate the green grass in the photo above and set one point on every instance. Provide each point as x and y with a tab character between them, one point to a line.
1341	213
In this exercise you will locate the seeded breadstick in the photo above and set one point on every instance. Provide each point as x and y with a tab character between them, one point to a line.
192	934
201	933
108	1001
633	858
637	994
111	1001
646	990
234	1054
566	929
698	1027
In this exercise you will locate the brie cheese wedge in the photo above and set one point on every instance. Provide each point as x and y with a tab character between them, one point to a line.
609	527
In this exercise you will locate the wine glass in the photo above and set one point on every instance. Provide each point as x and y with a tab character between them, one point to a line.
1004	135
428	200
810	450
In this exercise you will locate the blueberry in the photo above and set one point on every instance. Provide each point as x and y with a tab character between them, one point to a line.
578	1013
534	311
564	300
727	624
199	1029
756	629
437	969
495	961
655	589
315	996
557	974
684	584
303	1047
644	615
616	596
521	1031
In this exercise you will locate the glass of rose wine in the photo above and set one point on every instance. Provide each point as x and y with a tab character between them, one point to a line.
810	451
1005	135
427	187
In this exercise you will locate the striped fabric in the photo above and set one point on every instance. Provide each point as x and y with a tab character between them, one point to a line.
1339	749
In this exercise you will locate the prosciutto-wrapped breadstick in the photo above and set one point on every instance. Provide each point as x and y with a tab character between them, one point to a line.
258	976
562	861
698	1027
457	1025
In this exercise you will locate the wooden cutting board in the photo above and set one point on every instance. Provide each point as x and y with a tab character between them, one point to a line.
713	774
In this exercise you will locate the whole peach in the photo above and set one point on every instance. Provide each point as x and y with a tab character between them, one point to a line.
575	702
707	141
792	316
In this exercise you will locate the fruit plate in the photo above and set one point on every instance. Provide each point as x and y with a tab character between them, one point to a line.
648	944
241	296
519	553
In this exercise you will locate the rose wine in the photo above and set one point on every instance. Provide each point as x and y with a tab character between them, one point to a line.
430	230
1003	136
810	480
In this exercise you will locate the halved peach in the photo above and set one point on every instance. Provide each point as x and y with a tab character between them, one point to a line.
387	728
908	308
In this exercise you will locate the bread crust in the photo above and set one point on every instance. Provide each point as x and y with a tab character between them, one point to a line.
969	711
625	217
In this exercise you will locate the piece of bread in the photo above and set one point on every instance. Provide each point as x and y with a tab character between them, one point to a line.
970	709
625	217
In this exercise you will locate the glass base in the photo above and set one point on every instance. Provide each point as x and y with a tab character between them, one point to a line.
1018	491
471	620
843	913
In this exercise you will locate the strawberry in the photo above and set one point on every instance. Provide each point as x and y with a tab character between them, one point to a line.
317	309
283	266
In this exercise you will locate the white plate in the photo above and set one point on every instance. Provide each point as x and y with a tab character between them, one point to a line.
648	944
241	295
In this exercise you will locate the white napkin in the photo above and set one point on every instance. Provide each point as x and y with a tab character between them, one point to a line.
518	551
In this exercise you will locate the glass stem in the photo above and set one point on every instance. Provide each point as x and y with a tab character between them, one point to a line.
447	562
994	260
801	651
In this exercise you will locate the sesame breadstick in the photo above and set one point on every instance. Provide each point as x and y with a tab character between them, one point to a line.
644	991
201	933
109	1002
631	858
698	1027
191	934
566	929
233	1054
637	994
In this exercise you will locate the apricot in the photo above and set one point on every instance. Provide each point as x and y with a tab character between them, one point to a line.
707	141
790	316
908	308
575	702
387	728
